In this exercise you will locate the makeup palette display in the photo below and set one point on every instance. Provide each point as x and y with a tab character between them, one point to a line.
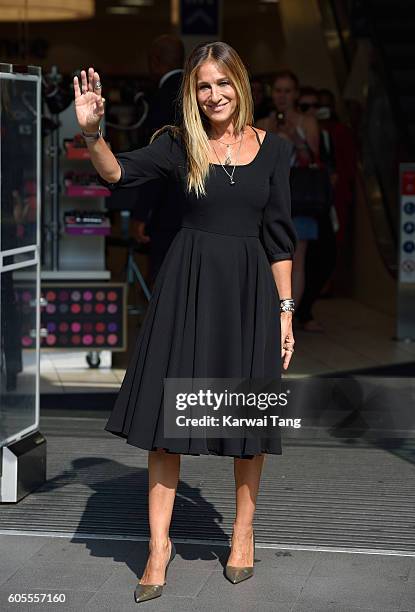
87	316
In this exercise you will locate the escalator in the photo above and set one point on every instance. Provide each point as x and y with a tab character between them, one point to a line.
374	39
391	26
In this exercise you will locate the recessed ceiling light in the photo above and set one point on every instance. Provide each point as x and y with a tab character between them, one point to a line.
122	10
137	2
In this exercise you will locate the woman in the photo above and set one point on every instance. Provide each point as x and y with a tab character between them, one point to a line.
320	258
303	132
214	310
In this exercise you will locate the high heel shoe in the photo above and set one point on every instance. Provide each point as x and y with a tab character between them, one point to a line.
144	592
238	574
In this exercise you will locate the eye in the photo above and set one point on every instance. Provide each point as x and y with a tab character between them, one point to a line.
225	83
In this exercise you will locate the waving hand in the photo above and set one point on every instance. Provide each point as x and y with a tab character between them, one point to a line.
89	103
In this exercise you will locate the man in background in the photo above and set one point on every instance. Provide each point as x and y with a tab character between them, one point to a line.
156	219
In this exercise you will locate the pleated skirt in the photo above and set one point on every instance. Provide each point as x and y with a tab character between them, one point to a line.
213	313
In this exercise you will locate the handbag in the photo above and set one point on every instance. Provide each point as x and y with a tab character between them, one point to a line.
311	190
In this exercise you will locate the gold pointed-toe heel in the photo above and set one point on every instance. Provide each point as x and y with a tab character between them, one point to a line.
144	592
238	574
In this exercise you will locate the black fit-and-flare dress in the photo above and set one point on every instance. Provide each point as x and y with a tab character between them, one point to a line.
214	308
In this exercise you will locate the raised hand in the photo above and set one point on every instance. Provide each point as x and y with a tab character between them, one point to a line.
89	103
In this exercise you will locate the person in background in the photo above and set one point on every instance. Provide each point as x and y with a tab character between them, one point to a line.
308	103
262	103
346	156
320	258
156	219
303	132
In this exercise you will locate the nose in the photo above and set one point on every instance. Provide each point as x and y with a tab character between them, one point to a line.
215	94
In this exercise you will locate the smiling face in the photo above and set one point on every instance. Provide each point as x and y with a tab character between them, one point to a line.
215	93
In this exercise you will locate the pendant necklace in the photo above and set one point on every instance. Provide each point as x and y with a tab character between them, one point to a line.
232	182
228	159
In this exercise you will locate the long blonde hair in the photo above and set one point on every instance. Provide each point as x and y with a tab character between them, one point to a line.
194	124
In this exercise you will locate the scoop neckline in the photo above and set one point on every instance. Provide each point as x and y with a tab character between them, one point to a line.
252	160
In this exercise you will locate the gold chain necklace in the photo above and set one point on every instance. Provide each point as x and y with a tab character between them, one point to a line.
232	182
228	158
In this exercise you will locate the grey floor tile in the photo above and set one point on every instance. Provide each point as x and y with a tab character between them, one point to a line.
122	601
349	565
408	600
15	552
380	594
20	548
8	568
411	577
313	606
59	576
266	586
296	562
75	600
65	550
239	603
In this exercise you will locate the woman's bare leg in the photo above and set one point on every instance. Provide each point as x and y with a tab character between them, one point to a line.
163	477
247	478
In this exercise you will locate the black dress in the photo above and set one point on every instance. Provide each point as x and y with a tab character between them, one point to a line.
214	309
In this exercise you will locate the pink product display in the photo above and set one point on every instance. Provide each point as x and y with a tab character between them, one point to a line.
81	229
92	191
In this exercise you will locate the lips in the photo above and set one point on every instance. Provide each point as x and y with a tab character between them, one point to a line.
218	108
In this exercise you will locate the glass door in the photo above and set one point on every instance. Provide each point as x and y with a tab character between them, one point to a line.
20	151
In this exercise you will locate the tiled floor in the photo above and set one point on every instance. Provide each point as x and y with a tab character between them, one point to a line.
355	337
102	576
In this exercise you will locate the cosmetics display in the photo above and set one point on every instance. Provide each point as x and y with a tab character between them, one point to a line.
74	222
86	222
75	148
84	185
75	315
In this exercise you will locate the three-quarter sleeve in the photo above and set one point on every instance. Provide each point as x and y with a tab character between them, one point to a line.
154	161
279	237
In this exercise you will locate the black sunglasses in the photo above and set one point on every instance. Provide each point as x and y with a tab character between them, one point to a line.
305	106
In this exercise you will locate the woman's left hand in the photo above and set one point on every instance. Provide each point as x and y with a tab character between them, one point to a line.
287	338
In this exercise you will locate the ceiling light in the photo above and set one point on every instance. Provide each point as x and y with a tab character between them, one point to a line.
46	10
137	2
122	10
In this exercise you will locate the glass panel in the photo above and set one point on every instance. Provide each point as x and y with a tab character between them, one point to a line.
18	351
18	124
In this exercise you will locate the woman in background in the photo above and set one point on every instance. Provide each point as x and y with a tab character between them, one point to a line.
303	133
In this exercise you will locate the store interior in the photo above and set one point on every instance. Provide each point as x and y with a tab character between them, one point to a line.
86	232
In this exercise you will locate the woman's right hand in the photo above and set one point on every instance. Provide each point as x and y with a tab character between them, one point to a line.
89	104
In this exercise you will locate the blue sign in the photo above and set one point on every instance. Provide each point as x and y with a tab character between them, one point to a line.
409	227
199	17
409	246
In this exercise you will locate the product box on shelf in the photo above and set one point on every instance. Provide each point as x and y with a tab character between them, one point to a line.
84	222
76	148
84	184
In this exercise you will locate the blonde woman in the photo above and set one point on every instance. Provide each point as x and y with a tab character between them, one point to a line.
215	310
